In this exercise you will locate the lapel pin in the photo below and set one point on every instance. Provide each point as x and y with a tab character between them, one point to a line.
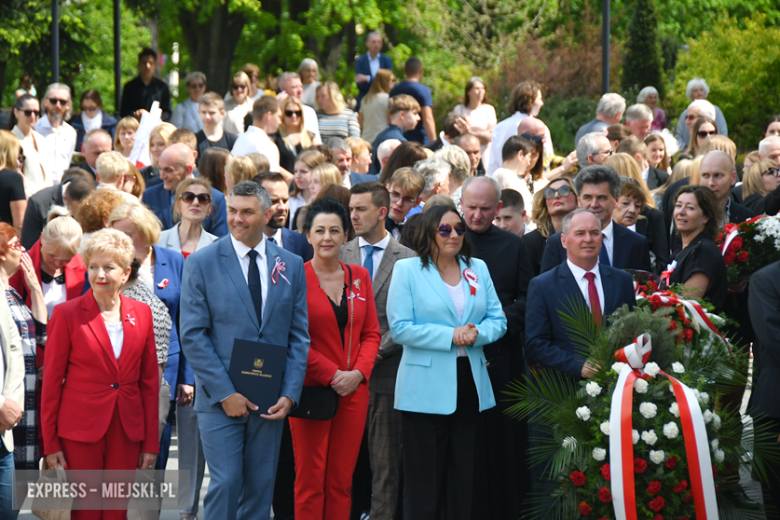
131	319
164	283
471	277
278	271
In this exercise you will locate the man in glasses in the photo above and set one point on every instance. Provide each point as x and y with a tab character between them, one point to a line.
291	85
60	138
405	188
500	470
598	189
593	148
140	92
608	112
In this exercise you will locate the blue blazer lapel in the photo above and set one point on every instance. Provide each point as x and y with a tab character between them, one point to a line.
619	246
570	286
234	272
274	290
431	275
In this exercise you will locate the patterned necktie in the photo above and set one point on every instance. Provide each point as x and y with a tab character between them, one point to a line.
255	287
603	255
593	296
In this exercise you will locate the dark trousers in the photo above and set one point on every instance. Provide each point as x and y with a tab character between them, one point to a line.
439	454
284	487
771	485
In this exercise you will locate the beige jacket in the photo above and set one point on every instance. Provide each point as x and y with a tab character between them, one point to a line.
13	387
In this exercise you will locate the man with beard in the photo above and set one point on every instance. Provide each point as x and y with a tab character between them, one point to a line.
60	138
501	463
275	229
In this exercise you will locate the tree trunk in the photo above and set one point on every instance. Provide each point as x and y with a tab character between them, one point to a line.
213	42
3	65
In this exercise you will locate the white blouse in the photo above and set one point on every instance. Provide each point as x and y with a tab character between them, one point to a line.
117	336
458	295
53	295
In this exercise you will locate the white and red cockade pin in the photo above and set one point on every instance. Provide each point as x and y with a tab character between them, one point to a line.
164	283
471	277
278	271
130	319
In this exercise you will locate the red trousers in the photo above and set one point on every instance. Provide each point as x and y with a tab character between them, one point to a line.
114	451
325	456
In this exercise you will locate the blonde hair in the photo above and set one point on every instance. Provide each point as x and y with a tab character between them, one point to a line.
312	159
380	84
327	173
240	169
164	130
57	212
752	181
146	223
140	183
358	145
125	123
680	171
243	77
626	166
695	174
183	186
540	215
62	233
305	138
719	142
408	179
9	150
109	242
110	166
334	93
212	99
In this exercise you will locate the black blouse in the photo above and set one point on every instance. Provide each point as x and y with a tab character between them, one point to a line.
341	312
703	256
535	244
287	155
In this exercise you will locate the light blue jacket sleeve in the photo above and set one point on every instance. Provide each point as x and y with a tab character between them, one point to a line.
493	325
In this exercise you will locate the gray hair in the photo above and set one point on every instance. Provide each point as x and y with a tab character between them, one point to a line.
252	189
387	148
458	159
639	112
60	86
490	180
644	93
706	109
434	171
588	146
284	77
570	215
763	146
598	174
337	143
373	33
611	105
193	76
306	63
697	82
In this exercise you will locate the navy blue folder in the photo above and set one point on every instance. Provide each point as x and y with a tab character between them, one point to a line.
256	371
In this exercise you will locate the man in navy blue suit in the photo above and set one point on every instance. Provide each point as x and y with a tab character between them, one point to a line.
177	163
598	188
275	230
580	278
342	157
368	64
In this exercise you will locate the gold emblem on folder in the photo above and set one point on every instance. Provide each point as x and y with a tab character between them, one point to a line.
259	363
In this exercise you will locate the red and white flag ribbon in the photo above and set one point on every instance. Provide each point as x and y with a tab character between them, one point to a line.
471	277
696	310
278	271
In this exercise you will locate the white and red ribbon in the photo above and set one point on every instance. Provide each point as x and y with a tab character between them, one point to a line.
278	271
471	277
621	444
695	310
729	238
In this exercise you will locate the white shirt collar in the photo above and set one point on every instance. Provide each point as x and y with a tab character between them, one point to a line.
277	236
609	229
382	244
579	272
645	173
243	249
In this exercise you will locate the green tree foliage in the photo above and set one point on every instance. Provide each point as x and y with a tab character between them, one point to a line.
739	59
643	64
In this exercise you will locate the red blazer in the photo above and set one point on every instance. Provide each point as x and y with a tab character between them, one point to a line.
326	353
78	351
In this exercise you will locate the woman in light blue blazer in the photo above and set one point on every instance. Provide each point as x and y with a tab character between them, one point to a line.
192	203
442	307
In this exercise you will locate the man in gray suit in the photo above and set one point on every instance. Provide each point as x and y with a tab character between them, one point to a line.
11	398
376	250
242	287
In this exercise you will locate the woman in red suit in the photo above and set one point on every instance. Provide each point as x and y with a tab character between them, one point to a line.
104	414
344	343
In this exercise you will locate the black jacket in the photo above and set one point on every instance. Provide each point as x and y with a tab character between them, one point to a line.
656	178
136	95
653	228
38	207
764	303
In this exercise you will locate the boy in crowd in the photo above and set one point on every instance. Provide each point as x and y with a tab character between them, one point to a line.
405	187
404	114
511	213
211	112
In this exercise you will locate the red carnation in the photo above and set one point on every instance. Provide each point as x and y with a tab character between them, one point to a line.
656	301
729	257
743	257
672	325
605	495
671	462
584	508
578	477
657	504
688	335
686	498
681	486
639	465
605	471
654	487
658	517
736	244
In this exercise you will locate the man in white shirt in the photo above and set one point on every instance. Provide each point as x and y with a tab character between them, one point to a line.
266	118
291	85
60	138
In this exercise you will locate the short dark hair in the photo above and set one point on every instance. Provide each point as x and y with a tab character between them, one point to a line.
708	203
512	199
93	95
329	206
76	173
413	66
515	144
78	188
598	174
269	177
424	240
523	97
147	51
449	125
262	106
380	197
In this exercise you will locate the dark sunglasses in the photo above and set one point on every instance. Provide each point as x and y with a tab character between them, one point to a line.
703	133
55	101
535	138
290	113
563	191
445	230
188	197
238	87
775	172
28	113
89	109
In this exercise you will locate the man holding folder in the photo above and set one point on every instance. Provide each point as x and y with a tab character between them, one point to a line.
242	287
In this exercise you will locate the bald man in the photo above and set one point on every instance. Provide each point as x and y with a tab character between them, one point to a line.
96	142
176	164
536	131
469	143
718	173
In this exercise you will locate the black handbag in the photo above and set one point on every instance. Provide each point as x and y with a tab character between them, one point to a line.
317	402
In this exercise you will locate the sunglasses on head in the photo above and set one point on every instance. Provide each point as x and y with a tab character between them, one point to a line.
445	230
55	101
536	139
704	133
290	113
563	191
28	113
188	197
624	180
238	87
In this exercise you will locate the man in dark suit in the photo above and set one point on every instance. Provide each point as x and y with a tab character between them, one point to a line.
636	148
375	249
764	405
275	230
95	143
598	189
368	64
501	479
176	164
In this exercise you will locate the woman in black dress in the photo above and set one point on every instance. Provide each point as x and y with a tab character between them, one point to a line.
550	206
699	265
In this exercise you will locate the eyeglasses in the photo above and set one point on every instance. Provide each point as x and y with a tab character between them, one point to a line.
238	87
563	191
89	109
689	117
406	201
28	113
606	152
196	85
704	134
535	138
775	172
16	246
55	101
445	230
290	113
624	180
188	197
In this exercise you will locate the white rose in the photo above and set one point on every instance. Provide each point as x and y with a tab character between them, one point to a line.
635	436
640	385
657	456
671	388
652	369
569	442
715	444
707	416
593	389
704	398
583	412
716	421
648	410
677	368
618	367
599	454
697	395
674	410
719	455
649	437
604	427
671	430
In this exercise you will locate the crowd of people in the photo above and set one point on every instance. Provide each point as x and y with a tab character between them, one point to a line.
410	275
